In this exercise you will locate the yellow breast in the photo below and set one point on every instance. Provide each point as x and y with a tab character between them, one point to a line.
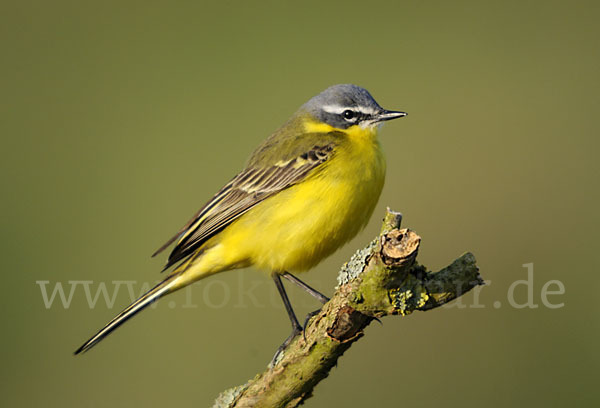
300	226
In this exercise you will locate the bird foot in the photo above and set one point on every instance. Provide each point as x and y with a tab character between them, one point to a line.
279	353
307	319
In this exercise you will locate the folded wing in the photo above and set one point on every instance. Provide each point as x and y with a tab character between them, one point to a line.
247	189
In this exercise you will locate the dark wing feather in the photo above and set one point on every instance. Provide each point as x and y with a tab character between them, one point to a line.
247	189
206	207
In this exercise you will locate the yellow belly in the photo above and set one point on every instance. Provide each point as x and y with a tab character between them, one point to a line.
297	228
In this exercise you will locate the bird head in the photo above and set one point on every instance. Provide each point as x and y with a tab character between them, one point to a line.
346	105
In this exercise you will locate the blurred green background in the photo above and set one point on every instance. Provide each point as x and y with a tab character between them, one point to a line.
119	119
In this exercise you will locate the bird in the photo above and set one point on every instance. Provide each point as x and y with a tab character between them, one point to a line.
305	191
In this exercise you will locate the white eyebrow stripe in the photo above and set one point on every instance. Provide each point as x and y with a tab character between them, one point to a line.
366	110
334	108
337	109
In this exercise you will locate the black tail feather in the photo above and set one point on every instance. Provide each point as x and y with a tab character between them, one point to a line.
146	300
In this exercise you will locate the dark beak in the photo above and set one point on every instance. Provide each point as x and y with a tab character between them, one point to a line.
389	115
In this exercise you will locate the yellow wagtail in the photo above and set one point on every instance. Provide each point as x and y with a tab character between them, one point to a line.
306	190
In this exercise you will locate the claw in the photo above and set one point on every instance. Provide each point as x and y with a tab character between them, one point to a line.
295	332
308	317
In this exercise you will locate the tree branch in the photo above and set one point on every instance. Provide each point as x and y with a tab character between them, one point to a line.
381	279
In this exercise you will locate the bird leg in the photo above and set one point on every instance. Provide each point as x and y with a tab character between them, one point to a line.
296	328
314	293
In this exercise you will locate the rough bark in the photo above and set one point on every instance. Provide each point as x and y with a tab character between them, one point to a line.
380	280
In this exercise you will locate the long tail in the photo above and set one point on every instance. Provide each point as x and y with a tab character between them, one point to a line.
163	288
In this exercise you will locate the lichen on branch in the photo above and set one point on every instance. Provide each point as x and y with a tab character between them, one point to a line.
380	280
